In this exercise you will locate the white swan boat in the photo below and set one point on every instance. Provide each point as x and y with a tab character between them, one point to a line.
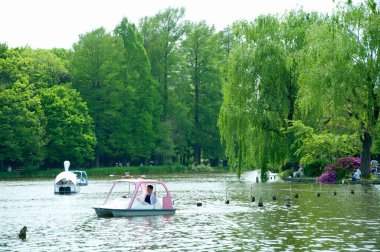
66	182
127	198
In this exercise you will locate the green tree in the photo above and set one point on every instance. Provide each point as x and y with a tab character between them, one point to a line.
13	68
69	127
144	92
45	69
112	73
260	90
256	98
340	72
311	144
3	50
162	34
203	75
22	131
96	67
40	67
27	70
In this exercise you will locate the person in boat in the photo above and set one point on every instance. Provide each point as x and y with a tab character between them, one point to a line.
150	196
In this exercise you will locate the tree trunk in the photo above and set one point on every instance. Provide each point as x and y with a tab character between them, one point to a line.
165	88
197	154
366	154
197	145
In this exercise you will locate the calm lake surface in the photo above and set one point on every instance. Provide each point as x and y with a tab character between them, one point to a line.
341	222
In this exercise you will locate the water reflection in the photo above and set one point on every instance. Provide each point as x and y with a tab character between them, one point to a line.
341	222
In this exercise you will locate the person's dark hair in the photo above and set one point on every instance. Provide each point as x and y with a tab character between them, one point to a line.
150	186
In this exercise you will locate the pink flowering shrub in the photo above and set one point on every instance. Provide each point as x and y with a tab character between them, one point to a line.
339	169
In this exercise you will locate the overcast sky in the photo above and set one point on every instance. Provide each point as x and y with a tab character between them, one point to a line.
58	23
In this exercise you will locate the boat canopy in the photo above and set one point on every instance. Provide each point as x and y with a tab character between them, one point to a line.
139	189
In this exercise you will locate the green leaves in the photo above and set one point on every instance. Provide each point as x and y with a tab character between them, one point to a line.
337	77
256	96
70	129
203	75
311	145
112	73
22	127
42	120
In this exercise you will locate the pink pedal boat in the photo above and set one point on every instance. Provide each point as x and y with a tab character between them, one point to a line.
127	198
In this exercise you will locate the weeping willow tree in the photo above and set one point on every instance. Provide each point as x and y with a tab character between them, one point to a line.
256	104
260	91
340	73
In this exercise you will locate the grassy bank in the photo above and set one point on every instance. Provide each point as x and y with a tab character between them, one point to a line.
117	171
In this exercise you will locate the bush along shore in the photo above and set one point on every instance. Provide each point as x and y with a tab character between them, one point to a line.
371	181
116	171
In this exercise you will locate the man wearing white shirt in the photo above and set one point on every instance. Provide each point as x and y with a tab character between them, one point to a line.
150	196
356	175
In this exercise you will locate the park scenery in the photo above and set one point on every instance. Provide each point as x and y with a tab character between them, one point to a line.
265	133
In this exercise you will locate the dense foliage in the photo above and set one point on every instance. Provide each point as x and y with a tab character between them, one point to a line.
301	88
320	89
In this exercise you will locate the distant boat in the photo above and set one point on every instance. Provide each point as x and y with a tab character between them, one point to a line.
126	198
81	177
66	182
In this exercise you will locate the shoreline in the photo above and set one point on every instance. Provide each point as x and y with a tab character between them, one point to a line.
105	172
313	180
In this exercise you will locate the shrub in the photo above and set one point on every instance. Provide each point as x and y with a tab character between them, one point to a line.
339	169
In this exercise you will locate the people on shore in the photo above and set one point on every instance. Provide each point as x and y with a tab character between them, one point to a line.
299	172
374	166
357	174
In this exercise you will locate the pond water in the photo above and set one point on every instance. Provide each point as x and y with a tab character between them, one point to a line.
343	222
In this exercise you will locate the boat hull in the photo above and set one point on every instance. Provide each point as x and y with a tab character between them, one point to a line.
65	193
107	212
66	189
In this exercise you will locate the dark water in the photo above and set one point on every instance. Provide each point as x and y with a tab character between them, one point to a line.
342	222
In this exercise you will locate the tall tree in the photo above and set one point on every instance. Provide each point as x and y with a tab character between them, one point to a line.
143	91
341	69
203	74
256	96
162	34
96	67
260	90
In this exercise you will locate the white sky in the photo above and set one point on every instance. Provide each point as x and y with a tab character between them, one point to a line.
58	23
